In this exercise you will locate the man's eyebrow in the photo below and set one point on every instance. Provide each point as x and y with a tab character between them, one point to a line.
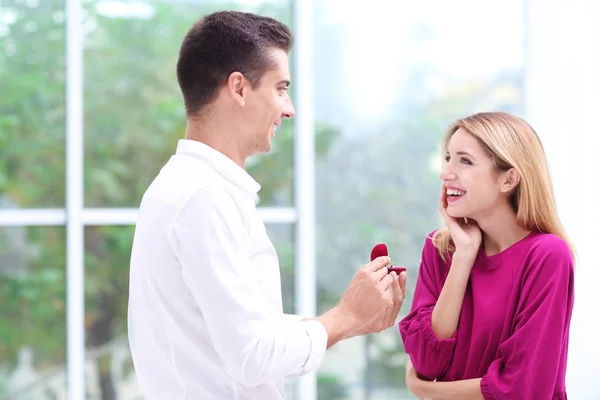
284	81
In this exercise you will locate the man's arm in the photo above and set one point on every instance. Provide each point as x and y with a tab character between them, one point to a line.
359	312
210	240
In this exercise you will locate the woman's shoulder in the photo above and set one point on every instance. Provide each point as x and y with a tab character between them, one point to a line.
548	245
547	255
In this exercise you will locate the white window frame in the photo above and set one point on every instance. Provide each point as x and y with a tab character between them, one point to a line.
75	216
554	29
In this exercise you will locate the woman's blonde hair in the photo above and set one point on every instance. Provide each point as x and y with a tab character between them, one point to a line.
512	143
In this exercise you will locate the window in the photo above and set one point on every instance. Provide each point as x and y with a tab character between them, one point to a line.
388	80
58	288
374	84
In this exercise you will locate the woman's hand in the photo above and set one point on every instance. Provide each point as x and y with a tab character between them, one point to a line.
426	390
413	382
465	234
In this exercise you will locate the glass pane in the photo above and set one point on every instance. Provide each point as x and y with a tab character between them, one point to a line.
134	113
390	83
282	237
33	310
110	375
32	103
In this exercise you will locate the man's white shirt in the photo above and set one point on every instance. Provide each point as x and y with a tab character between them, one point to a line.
205	316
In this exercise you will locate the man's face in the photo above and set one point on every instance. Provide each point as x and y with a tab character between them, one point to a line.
268	104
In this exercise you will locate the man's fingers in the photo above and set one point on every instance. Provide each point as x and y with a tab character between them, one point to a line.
398	289
398	298
378	263
395	287
402	282
379	274
395	281
386	281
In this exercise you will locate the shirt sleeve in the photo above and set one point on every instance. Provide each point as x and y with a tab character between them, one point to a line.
430	355
210	240
530	359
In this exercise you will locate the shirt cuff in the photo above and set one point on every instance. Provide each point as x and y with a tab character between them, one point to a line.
318	345
486	390
293	318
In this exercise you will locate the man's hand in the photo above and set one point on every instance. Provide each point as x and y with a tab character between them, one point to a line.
374	297
370	304
387	317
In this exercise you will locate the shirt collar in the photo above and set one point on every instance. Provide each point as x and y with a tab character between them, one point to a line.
221	163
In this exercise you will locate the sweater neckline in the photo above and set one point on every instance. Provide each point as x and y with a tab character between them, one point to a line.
497	258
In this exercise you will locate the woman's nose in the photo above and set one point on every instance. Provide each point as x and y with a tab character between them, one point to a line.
446	173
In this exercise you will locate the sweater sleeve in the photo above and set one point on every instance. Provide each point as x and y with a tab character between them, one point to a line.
429	355
532	358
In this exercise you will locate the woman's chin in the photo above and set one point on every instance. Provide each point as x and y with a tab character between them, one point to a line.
454	213
459	215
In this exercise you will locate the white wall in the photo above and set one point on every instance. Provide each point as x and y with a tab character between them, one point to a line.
562	88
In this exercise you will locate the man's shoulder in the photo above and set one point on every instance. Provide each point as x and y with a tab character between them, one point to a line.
181	179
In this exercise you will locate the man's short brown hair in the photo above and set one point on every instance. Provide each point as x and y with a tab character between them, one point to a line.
222	43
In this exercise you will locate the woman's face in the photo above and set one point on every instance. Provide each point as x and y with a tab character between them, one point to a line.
473	185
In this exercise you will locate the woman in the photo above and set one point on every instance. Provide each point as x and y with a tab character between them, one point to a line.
493	300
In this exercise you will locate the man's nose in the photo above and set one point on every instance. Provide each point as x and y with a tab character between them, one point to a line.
288	111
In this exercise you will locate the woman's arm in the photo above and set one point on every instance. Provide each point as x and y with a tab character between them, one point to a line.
532	358
428	331
430	354
444	319
466	237
468	389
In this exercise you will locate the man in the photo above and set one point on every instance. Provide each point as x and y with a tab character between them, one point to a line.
205	308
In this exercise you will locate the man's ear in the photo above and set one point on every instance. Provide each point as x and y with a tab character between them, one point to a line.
237	87
510	180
